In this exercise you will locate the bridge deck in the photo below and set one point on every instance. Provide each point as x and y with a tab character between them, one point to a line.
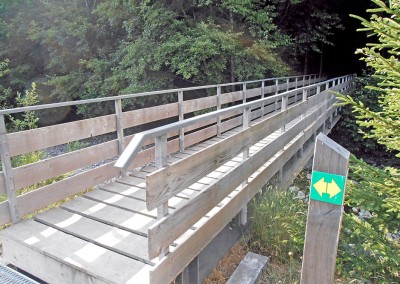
103	234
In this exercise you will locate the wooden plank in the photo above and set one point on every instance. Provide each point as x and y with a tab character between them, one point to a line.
52	193
171	227
201	135
199	104
38	250
9	180
150	114
165	183
324	219
117	217
123	189
40	138
111	238
52	167
5	217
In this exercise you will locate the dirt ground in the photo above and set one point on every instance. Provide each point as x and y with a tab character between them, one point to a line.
227	265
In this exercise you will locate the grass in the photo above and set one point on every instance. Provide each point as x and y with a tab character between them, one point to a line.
277	230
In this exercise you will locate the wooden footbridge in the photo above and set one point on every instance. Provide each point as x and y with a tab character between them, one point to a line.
155	204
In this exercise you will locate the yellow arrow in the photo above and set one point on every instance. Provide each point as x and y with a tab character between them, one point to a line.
321	186
333	189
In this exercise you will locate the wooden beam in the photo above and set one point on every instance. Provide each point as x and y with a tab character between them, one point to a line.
8	174
324	219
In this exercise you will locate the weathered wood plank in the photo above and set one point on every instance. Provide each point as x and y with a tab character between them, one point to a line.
150	114
114	239
52	167
199	104
169	228
324	219
31	244
198	136
52	193
165	183
124	189
40	138
117	217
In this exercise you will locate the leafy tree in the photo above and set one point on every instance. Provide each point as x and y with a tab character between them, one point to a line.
374	252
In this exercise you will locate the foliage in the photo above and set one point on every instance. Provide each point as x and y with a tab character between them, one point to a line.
278	224
369	247
350	132
89	49
383	58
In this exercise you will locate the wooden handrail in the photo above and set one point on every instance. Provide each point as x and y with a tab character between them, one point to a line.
137	142
144	94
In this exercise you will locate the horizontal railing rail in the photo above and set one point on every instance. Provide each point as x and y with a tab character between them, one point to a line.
144	94
137	142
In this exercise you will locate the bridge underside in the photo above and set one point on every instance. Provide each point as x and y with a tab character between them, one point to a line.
102	236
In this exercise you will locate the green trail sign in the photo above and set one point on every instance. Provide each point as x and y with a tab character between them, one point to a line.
327	187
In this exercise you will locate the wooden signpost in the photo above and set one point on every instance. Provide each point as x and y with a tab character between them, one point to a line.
325	210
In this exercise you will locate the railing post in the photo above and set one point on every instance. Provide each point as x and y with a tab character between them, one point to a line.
262	97
161	153
284	107
276	92
304	99
120	130
304	81
287	84
296	86
219	130
8	174
245	156
181	117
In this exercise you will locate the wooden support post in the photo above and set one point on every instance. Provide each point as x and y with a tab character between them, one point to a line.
219	130
245	156
161	153
284	107
8	174
181	117
309	80
296	86
276	92
194	269
304	80
120	130
287	84
325	211
263	96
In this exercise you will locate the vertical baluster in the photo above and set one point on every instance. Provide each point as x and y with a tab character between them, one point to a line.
120	130
219	130
8	174
181	117
296	86
161	153
245	156
262	97
276	92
